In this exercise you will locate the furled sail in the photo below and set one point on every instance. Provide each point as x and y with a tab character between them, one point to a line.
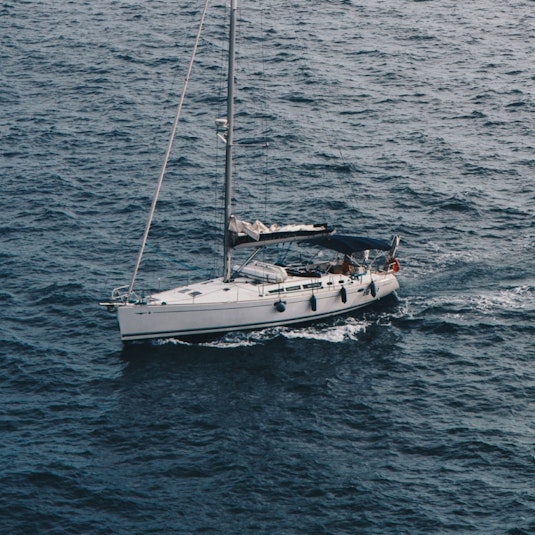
257	234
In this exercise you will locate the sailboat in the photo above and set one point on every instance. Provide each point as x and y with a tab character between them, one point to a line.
349	272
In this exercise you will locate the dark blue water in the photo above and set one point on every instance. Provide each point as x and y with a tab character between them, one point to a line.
416	416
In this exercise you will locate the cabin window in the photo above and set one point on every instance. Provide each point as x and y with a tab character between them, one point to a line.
312	285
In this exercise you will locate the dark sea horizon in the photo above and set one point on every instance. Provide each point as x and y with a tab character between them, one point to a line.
415	416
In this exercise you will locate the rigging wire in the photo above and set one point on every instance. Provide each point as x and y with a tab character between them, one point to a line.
163	117
253	67
167	153
264	110
349	188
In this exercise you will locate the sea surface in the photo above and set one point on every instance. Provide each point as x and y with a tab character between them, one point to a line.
416	416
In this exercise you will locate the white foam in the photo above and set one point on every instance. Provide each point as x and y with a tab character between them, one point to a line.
486	302
517	298
348	330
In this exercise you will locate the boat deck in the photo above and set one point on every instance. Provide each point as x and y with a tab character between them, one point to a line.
244	289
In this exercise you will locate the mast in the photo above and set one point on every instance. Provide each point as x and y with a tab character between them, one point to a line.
230	140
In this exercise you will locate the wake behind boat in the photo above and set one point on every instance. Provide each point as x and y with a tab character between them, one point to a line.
255	294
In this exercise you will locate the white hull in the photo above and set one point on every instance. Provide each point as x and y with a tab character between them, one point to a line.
215	307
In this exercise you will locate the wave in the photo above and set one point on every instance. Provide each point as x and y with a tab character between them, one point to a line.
342	332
